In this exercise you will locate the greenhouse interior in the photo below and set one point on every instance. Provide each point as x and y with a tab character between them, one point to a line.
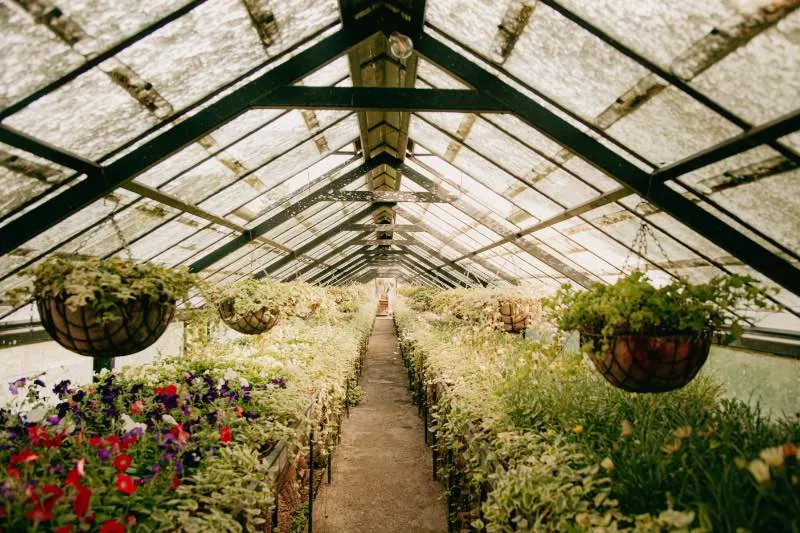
400	266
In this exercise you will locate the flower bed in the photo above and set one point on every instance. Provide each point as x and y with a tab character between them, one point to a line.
186	444
529	437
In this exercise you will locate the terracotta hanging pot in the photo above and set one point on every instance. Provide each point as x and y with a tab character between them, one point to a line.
642	363
251	323
516	317
141	322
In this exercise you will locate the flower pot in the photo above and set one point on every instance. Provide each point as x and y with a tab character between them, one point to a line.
383	306
516	317
251	323
141	322
642	363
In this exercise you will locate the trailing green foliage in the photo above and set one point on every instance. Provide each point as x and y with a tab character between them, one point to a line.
104	285
634	306
561	450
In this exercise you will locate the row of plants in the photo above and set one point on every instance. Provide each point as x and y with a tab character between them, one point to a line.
530	437
183	444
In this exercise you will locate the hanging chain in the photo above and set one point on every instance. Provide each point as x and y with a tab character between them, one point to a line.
639	244
117	229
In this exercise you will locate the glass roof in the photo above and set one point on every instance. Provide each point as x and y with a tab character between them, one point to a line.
496	200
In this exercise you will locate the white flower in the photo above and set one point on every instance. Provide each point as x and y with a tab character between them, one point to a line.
169	420
36	414
243	382
128	424
773	456
230	374
760	470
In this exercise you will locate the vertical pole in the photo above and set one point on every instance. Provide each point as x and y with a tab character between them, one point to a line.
330	466
102	363
311	481
347	399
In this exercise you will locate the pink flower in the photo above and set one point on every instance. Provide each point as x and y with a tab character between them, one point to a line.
137	407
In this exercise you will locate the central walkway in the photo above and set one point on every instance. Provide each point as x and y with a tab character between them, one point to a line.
382	469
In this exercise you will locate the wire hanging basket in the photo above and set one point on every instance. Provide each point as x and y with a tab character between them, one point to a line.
649	363
250	323
516	316
136	326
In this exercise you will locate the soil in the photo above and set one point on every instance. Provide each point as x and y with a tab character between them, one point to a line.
382	469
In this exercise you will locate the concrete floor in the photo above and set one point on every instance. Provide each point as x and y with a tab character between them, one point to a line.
382	469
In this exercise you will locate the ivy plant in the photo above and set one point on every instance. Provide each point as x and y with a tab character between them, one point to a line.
634	306
103	285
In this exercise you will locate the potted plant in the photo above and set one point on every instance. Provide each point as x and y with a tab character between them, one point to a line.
252	306
647	339
104	307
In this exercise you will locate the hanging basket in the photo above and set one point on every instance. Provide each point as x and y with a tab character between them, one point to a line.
641	363
141	322
516	317
251	323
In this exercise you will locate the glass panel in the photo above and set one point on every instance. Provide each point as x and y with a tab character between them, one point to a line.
569	64
671	126
23	176
89	116
32	55
430	74
656	29
759	81
472	22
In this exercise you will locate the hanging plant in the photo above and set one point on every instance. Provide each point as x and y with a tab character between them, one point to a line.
252	306
647	339
104	307
511	310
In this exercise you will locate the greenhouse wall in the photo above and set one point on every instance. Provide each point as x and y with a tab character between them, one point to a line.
51	358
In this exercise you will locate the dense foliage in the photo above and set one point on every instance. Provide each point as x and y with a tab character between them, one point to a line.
479	307
557	449
634	306
249	295
104	285
180	445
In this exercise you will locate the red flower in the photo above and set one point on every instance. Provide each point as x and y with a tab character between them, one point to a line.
73	478
127	442
82	499
97	442
171	390
30	493
125	484
13	473
25	456
225	435
239	411
179	434
112	441
64	529
56	441
38	435
176	482
112	526
53	493
137	407
122	462
39	514
130	520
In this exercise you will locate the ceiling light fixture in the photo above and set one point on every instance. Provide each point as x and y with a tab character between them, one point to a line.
401	46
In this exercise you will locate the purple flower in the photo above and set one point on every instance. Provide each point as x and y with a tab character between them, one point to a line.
190	377
78	396
39	383
62	387
186	410
135	432
53	420
155	469
103	453
212	417
13	387
279	382
179	467
250	415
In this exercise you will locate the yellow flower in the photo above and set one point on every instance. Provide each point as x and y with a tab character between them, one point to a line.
683	432
672	447
773	456
627	428
607	464
760	470
578	429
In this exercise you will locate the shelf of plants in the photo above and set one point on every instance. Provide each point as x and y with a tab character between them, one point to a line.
528	436
191	443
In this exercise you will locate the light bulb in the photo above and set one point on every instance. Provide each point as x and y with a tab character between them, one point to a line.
401	46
